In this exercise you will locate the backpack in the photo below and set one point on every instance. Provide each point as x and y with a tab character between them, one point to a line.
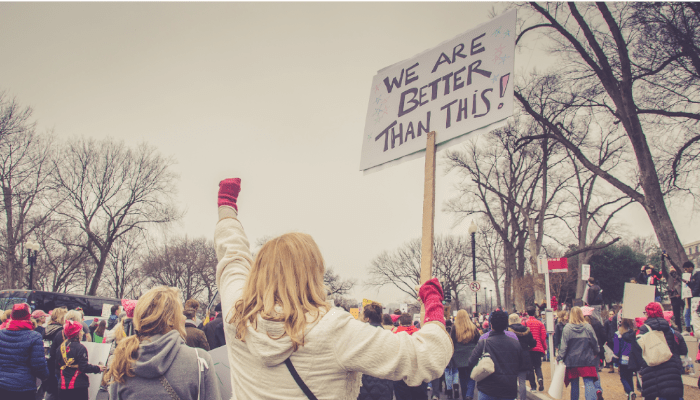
655	350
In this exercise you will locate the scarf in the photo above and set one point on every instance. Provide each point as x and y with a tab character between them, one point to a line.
19	325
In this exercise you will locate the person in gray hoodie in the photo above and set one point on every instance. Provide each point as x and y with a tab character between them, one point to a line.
579	351
164	366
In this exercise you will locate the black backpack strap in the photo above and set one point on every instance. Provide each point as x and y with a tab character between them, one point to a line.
298	380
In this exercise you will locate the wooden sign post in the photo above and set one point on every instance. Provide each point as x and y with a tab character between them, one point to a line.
426	258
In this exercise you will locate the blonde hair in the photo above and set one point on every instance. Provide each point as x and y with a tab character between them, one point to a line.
576	316
465	330
514	318
73	315
119	333
58	315
287	272
561	315
5	315
158	312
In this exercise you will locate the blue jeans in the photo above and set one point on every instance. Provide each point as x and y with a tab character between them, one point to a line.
589	388
466	384
484	396
626	377
451	377
686	316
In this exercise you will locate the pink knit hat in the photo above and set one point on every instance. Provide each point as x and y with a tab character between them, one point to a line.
129	306
587	311
640	321
668	315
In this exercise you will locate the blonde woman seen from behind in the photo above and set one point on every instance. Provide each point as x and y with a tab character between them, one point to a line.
465	336
278	321
155	363
579	351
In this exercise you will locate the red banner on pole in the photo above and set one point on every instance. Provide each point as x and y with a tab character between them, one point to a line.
558	264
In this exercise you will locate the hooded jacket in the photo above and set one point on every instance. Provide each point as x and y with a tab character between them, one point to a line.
527	343
462	351
558	329
663	380
579	346
73	376
337	348
214	331
168	355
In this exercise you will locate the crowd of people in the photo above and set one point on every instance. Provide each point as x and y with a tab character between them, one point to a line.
285	341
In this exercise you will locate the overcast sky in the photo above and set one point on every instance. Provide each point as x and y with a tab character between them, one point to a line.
274	93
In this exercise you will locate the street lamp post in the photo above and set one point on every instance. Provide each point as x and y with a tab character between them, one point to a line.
491	290
472	231
32	251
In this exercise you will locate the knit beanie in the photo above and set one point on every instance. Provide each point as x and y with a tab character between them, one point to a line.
129	306
654	310
20	312
668	315
499	321
587	311
72	328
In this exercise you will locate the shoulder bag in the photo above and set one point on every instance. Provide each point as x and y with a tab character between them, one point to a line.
485	367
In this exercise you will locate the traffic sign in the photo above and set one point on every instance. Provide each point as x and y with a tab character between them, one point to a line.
475	286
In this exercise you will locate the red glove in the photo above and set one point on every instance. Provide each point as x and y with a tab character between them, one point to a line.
228	192
432	295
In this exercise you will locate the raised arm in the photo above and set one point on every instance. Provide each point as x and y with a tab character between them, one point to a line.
232	248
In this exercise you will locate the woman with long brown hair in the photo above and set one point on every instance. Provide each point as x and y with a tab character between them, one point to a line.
280	329
155	363
99	333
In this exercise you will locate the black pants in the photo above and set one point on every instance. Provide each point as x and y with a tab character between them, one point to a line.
536	359
405	392
8	395
678	305
73	394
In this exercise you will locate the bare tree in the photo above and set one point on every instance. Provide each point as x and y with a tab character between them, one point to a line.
599	70
337	285
25	165
188	264
110	190
62	263
451	261
489	249
122	268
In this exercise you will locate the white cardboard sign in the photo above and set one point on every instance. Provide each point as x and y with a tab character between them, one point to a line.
462	85
636	298
97	353
585	271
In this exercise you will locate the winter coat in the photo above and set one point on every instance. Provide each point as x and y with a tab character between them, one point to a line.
636	361
557	334
680	342
662	380
621	349
337	347
214	331
195	337
51	384
579	346
462	351
594	298
376	388
600	335
70	377
694	284
112	322
610	329
507	356
539	332
21	360
51	330
168	356
527	343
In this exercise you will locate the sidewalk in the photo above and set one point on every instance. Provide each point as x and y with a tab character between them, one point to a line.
612	387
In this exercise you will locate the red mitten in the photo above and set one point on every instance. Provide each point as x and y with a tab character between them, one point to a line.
432	295
228	192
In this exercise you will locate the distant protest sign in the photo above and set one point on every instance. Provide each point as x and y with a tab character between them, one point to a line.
635	299
462	85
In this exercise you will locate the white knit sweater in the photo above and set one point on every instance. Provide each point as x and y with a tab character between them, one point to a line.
337	350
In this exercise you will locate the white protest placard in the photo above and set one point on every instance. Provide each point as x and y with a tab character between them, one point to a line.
686	293
462	85
403	308
636	298
219	357
97	353
585	271
416	317
106	310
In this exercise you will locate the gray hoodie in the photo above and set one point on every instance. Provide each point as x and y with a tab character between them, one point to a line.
168	355
579	346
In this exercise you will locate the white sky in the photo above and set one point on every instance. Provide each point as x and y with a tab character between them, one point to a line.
274	93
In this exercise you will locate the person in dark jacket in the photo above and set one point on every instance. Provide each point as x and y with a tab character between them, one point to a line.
562	318
599	330
507	356
375	388
649	276
579	351
465	336
195	337
527	343
72	364
663	380
629	355
214	330
22	359
113	317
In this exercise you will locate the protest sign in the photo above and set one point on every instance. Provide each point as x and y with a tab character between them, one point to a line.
106	310
416	317
462	85
635	298
403	308
97	355
585	271
219	356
